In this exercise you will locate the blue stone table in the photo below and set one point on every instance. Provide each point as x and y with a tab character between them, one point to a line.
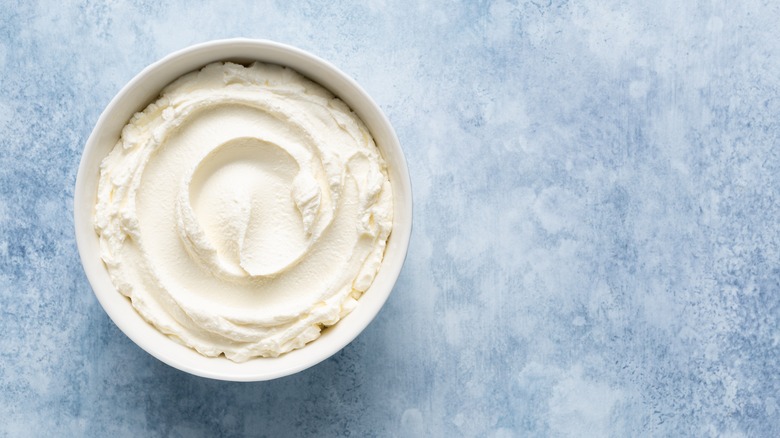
596	247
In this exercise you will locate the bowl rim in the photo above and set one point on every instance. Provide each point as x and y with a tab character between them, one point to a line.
354	323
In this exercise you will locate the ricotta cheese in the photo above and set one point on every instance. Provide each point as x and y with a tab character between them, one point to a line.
244	210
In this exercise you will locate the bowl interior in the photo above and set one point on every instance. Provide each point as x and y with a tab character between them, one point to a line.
145	88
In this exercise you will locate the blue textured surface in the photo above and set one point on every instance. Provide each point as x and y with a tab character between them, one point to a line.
596	238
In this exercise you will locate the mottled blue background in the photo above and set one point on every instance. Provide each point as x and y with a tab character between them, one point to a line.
596	241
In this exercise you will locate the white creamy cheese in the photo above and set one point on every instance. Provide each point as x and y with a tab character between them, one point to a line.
244	210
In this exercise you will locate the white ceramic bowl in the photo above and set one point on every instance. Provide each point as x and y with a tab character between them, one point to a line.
145	88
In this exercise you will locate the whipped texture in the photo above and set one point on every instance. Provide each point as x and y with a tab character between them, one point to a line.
244	210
